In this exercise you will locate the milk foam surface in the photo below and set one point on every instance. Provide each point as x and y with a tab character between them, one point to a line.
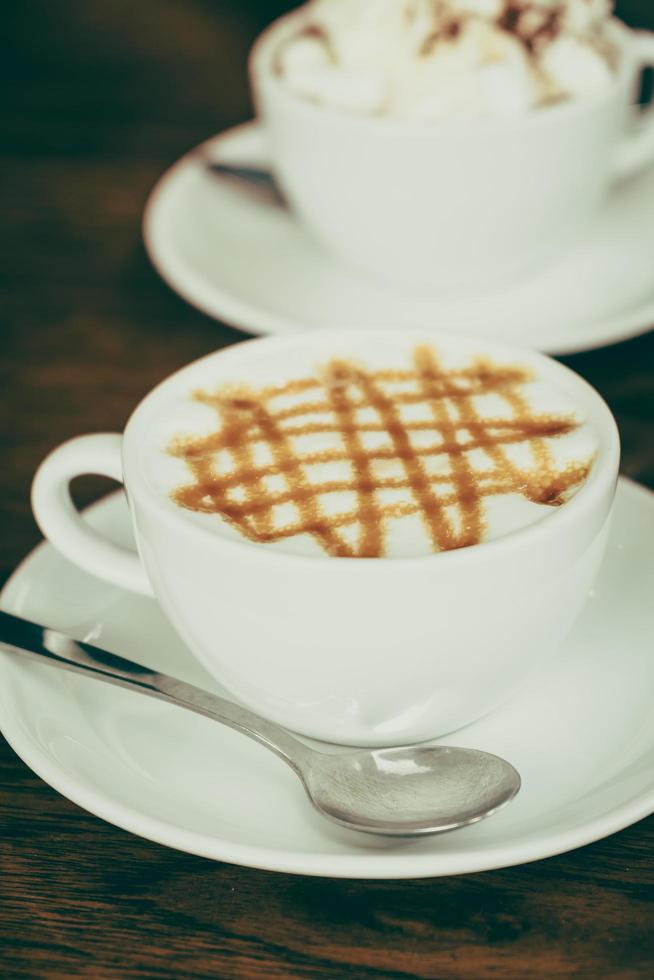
443	59
371	453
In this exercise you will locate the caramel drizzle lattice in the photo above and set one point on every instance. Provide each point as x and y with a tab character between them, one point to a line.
430	455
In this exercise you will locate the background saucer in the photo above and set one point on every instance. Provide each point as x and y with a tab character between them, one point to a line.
581	734
244	259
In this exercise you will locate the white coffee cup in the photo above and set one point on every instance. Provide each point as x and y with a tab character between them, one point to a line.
366	651
452	204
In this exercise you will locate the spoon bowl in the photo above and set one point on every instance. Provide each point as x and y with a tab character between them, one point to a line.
409	791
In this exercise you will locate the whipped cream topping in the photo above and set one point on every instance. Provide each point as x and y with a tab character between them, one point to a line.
440	59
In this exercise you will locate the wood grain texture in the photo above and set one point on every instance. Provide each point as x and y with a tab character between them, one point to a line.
100	98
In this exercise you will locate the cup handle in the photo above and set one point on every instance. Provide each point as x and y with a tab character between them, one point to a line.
637	149
62	523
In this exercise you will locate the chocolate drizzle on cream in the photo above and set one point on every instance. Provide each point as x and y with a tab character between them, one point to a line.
530	25
527	22
438	59
446	428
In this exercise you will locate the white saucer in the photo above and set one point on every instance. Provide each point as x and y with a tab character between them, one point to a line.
246	260
581	735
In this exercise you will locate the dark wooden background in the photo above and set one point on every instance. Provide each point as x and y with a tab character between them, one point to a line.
99	98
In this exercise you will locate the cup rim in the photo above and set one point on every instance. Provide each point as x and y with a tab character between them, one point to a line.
261	74
603	473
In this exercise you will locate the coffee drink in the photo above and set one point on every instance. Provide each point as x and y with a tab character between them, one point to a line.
449	59
257	475
413	450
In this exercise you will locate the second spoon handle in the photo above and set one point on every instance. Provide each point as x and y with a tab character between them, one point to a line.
50	646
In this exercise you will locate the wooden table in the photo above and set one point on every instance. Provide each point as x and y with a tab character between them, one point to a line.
102	98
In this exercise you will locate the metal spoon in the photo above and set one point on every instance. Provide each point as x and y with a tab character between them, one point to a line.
398	791
249	177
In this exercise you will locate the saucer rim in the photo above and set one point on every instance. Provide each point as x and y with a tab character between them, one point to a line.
367	865
255	321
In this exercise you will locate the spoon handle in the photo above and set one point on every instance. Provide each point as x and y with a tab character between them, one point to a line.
248	175
255	175
59	650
